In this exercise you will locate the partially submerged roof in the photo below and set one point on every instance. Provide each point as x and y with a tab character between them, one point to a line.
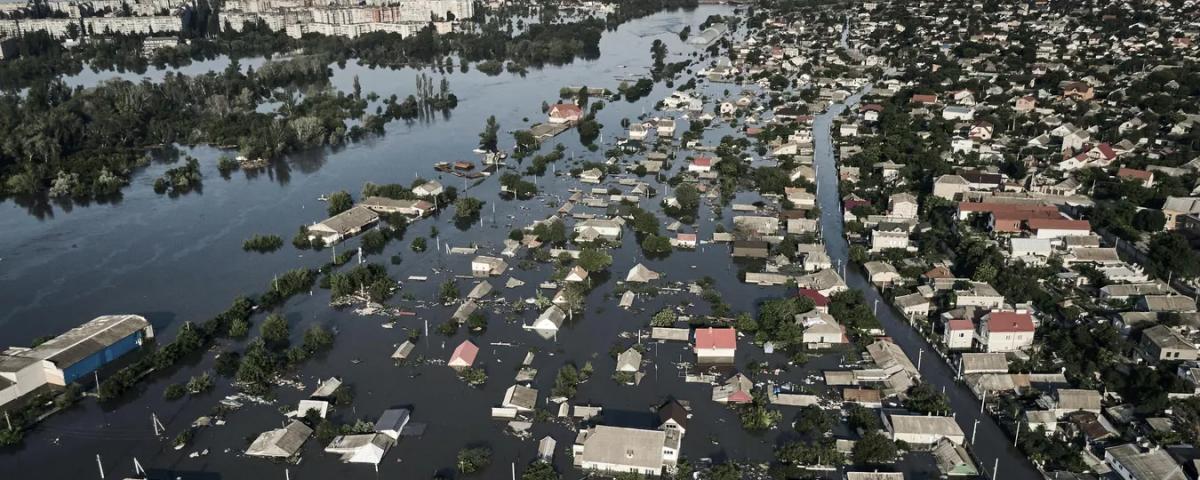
925	425
360	448
393	419
356	217
605	445
281	442
520	396
984	363
639	273
716	338
85	340
327	388
404	350
464	354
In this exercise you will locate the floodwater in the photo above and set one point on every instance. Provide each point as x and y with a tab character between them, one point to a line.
179	259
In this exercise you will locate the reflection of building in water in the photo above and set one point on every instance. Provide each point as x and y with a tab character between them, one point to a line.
60	27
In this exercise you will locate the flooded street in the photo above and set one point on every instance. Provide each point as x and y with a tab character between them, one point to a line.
990	443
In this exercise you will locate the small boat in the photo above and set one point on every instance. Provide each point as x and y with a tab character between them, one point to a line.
479	151
322	197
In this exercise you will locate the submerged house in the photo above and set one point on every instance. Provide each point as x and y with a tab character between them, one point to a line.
629	361
71	356
361	448
627	450
483	266
549	321
282	442
343	225
464	355
735	390
640	274
520	398
412	208
715	344
392	422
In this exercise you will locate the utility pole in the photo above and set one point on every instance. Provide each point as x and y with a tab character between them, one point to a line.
920	356
100	465
995	468
974	428
159	428
983	402
96	374
8	420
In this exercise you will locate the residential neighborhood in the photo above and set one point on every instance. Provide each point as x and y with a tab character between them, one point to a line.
856	240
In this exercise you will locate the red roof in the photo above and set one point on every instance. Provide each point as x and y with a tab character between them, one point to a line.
686	237
959	324
1009	322
1058	224
1134	173
716	338
465	353
740	396
920	98
816	297
851	203
565	110
702	162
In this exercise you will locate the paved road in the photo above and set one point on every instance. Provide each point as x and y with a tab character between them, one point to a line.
990	441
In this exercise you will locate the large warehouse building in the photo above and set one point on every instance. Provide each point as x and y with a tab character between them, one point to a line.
72	355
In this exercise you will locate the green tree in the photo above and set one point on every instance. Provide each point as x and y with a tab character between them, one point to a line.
471	460
525	140
594	260
664	318
1149	220
656	244
488	138
466	208
448	292
860	417
923	399
174	391
874	449
859	254
539	470
813	421
275	331
256	369
1170	252
418	244
339	202
200	384
317	338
